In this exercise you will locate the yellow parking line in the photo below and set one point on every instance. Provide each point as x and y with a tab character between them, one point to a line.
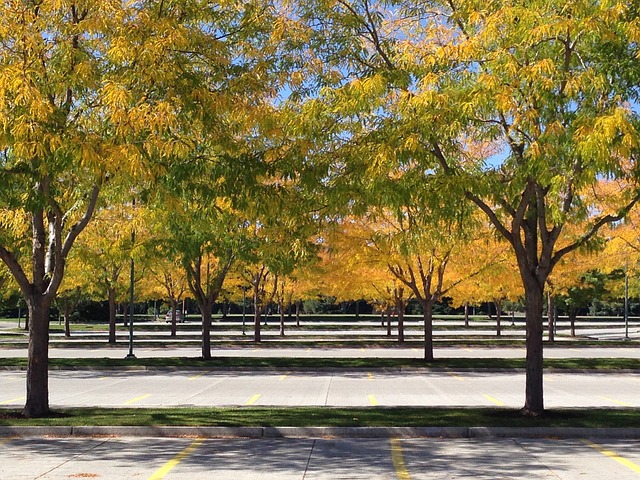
13	400
456	376
370	376
398	460
137	399
627	463
196	376
494	400
253	399
372	401
171	464
283	377
618	402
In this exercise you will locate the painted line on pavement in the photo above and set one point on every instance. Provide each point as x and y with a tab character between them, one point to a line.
373	401
171	464
194	377
617	402
137	399
13	400
283	377
398	460
494	400
456	376
253	399
370	375
608	453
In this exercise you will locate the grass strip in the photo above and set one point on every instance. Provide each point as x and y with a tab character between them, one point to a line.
603	364
328	416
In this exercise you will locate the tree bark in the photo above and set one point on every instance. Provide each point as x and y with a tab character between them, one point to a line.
400	312
534	393
466	314
111	295
551	317
427	315
37	404
174	315
498	317
205	310
257	318
67	314
573	313
281	309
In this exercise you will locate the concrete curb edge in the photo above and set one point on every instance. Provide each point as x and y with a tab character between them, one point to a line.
319	432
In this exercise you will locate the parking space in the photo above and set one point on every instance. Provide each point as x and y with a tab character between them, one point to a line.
317	459
339	389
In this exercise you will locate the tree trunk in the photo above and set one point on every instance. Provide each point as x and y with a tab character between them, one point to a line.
534	393
257	318
281	309
298	307
67	314
174	319
466	314
389	315
113	306
498	318
573	313
125	315
427	315
37	404
401	325
205	310
551	317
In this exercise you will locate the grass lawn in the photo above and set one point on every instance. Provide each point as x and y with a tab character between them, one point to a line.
604	364
328	416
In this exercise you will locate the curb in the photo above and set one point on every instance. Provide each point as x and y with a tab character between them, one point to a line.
322	432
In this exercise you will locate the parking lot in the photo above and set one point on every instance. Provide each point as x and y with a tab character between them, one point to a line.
111	388
318	459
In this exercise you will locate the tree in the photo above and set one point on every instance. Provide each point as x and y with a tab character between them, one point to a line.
169	281
498	281
518	109
56	152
